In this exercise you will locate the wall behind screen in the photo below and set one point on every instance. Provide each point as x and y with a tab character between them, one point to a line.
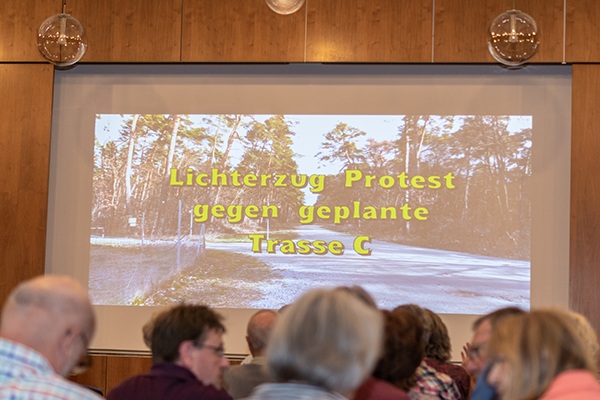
80	94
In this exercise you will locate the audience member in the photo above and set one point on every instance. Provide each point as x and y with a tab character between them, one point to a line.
476	358
46	326
438	351
402	353
428	380
188	342
539	355
322	347
374	388
249	358
239	380
586	332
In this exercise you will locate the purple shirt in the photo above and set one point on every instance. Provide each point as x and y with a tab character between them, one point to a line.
166	381
376	389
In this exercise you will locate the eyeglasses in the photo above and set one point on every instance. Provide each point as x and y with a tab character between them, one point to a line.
476	350
218	350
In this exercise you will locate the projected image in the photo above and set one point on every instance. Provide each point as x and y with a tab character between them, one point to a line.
250	211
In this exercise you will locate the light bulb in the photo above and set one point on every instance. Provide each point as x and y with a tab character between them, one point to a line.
62	38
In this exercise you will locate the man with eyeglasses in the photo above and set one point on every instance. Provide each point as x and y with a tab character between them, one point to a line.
475	357
46	326
187	346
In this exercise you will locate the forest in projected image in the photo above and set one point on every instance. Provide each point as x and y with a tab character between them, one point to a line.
249	211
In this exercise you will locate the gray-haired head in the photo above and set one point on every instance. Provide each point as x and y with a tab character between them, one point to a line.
53	315
327	338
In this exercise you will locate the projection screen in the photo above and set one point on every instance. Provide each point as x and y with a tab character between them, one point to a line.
242	186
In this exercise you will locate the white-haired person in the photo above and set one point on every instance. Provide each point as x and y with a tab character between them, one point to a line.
46	327
322	347
541	355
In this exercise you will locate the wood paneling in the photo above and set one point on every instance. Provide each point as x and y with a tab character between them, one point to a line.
247	31
95	376
241	31
130	31
549	16
461	28
109	371
20	23
119	369
584	272
583	31
25	124
369	31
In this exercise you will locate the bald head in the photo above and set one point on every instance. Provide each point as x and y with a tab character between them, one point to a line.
52	315
259	329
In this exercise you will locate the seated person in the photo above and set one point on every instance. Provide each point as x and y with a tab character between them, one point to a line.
475	358
374	388
402	353
187	342
438	350
540	355
429	381
321	348
239	380
46	327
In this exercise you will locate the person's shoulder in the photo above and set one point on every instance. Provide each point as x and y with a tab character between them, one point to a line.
194	391
126	389
573	385
47	387
377	389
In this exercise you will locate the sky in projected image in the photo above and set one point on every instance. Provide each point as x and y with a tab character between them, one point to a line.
249	211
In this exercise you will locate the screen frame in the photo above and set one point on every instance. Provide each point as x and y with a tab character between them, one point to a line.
87	90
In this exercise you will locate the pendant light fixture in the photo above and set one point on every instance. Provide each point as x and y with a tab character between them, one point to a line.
62	39
513	37
285	6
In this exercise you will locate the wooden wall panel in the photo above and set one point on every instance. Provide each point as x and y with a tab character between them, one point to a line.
241	31
109	371
120	368
549	15
460	32
461	28
95	376
25	124
18	30
583	31
130	31
584	273
369	31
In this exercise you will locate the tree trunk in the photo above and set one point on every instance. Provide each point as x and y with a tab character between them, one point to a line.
162	206
128	170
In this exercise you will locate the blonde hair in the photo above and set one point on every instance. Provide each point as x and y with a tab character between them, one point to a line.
537	346
585	331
